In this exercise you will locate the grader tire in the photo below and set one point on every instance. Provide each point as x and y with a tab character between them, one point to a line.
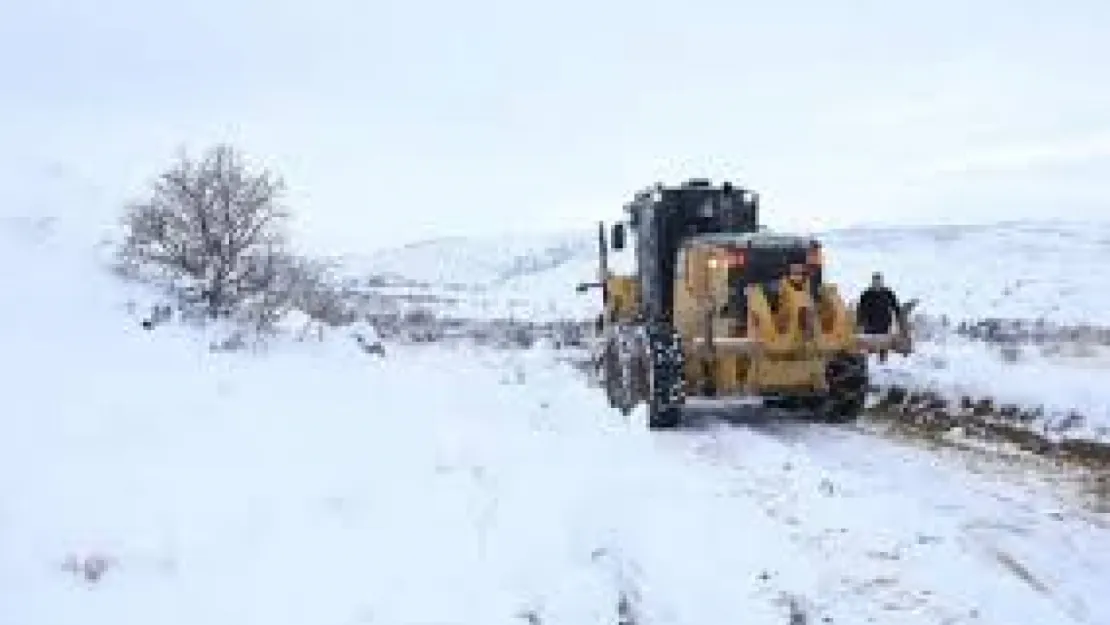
618	388
611	375
665	384
847	394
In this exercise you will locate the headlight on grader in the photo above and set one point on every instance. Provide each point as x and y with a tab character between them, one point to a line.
815	257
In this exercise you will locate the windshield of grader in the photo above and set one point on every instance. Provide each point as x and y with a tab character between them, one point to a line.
766	266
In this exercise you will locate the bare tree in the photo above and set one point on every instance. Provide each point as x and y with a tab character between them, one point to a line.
211	229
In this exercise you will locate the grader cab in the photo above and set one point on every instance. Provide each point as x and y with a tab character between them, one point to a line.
718	311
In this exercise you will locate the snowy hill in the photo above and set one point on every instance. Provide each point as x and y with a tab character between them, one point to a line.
479	261
1020	270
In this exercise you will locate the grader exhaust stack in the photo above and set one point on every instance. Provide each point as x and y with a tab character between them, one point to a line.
721	312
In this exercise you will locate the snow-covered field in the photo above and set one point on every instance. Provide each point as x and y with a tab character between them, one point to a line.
144	480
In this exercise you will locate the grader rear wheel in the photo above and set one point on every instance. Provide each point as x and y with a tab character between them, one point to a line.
618	386
610	375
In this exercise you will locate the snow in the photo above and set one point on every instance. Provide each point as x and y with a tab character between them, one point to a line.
317	484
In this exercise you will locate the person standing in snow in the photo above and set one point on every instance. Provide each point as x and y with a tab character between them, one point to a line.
877	309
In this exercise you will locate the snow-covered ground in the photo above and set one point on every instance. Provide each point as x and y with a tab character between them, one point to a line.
144	479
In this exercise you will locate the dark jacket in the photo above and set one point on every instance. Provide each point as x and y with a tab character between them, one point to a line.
876	310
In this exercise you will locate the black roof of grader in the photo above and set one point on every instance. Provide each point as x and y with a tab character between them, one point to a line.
663	217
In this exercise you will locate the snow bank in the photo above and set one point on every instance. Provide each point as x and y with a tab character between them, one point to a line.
1070	391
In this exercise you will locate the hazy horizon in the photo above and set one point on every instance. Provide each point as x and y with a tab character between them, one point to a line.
398	122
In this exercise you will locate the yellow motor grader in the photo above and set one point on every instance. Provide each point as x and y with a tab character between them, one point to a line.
720	312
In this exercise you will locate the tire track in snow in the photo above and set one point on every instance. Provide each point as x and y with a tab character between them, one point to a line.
1034	517
761	464
860	566
678	545
792	468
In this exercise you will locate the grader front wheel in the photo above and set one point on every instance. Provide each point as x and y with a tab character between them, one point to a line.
847	379
665	385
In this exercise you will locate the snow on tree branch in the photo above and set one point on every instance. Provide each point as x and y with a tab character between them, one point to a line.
211	229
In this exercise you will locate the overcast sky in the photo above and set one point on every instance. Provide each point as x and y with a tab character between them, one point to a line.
401	120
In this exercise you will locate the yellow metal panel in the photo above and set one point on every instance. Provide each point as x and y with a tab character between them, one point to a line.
623	297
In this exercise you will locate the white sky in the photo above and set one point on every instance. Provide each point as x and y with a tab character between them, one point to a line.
401	120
